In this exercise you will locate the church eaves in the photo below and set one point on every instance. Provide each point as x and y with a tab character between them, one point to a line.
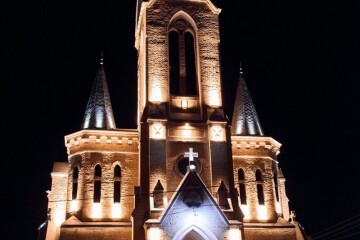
98	113
245	121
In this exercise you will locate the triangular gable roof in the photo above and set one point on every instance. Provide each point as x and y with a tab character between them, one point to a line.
191	182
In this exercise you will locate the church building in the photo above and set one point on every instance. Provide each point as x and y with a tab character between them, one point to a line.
186	172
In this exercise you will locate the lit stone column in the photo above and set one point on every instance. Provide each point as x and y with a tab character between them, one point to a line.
251	192
284	201
269	192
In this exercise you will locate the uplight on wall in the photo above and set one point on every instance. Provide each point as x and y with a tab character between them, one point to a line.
58	218
245	210
74	205
278	208
234	234
96	210
154	233
116	210
261	212
155	94
184	104
214	98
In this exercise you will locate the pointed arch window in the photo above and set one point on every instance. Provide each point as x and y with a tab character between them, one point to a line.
259	187
182	58
158	195
75	183
117	184
97	184
242	188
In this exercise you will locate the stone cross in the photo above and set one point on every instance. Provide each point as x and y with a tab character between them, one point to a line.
190	154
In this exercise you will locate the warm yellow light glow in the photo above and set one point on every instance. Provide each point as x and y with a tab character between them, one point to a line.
165	201
245	210
261	212
278	208
214	98
74	205
152	203
116	210
155	94
184	104
96	210
58	218
186	133
154	233
234	234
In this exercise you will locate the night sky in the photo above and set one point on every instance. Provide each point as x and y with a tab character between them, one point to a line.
301	62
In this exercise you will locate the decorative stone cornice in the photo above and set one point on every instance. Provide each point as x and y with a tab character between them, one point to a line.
213	8
104	137
248	142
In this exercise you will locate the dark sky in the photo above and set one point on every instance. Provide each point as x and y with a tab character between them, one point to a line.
302	65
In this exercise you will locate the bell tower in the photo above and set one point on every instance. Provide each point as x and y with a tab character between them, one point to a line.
178	57
180	102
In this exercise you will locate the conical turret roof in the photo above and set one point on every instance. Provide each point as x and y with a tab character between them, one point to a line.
99	114
245	121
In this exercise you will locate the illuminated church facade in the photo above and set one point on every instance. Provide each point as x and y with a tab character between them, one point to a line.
186	172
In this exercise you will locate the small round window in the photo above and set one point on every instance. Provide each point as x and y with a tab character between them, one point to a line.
182	165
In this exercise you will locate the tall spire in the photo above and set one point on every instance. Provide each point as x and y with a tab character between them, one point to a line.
245	120
99	114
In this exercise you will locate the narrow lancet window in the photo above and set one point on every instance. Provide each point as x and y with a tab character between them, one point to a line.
97	184
182	58
259	187
75	183
276	186
174	62
191	88
242	188
117	184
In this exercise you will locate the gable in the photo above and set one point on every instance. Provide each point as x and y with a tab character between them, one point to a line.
193	207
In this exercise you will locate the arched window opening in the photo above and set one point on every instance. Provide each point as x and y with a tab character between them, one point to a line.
276	186
75	183
259	187
191	88
117	184
182	58
174	63
193	235
242	188
258	175
97	184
